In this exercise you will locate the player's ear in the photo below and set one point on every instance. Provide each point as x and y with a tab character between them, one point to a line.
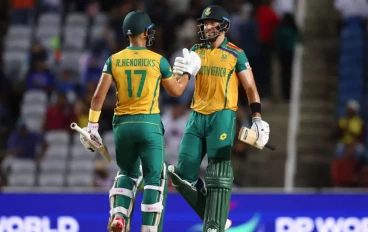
145	33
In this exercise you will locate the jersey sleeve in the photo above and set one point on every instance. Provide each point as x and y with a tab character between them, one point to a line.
107	67
242	63
165	68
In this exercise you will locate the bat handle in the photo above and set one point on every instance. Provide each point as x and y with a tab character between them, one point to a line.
270	146
75	127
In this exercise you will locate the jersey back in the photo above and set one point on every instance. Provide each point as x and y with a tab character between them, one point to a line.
137	73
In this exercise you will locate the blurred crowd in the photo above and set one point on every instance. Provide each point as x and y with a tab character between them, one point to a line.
260	29
350	167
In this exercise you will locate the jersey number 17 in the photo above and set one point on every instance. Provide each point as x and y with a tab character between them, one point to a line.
143	74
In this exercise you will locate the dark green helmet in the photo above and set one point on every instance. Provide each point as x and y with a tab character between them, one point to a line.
217	13
137	22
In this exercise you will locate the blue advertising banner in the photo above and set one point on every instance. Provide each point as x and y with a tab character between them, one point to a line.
249	213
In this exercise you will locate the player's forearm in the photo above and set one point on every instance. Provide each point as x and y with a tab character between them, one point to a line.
249	85
183	82
99	97
95	108
179	86
97	102
254	100
252	94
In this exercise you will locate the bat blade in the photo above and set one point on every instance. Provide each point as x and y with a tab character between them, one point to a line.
104	152
249	136
101	148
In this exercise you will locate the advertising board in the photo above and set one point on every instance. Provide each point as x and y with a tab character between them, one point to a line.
249	212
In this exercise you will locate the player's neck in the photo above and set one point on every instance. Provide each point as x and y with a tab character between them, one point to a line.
218	41
137	43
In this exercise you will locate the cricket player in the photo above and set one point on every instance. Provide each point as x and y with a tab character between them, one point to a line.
211	125
138	132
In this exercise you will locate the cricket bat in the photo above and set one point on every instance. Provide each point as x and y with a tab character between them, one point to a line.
249	136
101	148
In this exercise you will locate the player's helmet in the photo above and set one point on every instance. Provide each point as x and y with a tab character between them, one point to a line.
137	22
217	13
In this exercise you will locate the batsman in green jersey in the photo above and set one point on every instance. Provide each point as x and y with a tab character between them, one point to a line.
211	126
138	132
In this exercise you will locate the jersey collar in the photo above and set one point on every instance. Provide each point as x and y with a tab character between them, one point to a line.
136	48
221	45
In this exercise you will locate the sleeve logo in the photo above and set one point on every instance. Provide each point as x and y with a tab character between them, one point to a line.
247	65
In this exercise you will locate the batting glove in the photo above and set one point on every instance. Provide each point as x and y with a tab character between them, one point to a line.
95	137
189	64
196	62
263	130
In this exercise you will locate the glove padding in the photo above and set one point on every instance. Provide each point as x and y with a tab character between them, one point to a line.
190	63
195	61
92	129
263	130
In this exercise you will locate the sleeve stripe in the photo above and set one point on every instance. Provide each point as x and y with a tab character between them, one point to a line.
233	46
229	51
233	49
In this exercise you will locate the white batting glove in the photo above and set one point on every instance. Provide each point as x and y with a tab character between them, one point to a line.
190	63
85	142
263	130
196	62
96	140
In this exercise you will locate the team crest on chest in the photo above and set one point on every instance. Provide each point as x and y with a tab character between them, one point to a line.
223	57
202	53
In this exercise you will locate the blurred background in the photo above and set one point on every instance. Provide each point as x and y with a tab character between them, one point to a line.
309	58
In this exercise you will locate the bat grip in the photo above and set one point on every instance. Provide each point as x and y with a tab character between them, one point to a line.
270	146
